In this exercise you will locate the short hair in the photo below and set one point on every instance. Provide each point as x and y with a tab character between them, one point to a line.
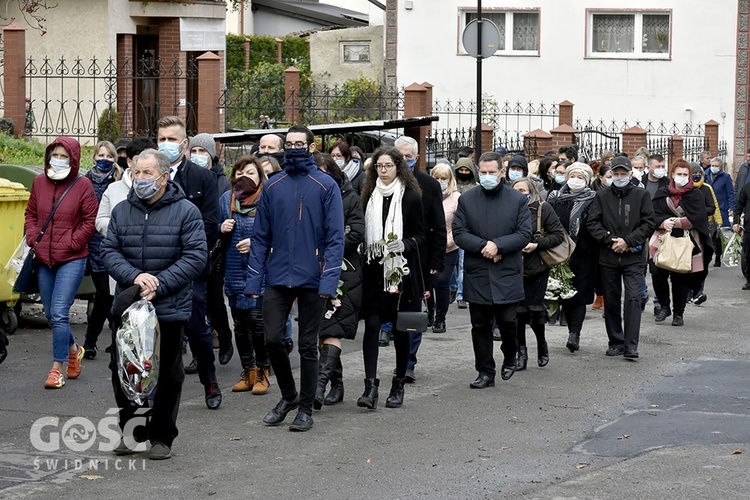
405	139
108	146
343	147
445	169
465	151
638	158
273	161
242	162
533	191
718	160
161	159
491	156
301	128
642	151
681	163
705	153
137	145
168	121
278	136
656	157
570	152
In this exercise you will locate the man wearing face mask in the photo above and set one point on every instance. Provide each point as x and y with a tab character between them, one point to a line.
156	242
199	186
639	171
465	175
493	271
203	154
621	220
657	174
122	155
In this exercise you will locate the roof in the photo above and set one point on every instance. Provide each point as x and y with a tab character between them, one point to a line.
314	12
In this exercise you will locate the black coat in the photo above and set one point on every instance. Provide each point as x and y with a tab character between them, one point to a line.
742	206
358	180
693	202
621	213
222	182
436	236
548	236
199	186
502	216
166	240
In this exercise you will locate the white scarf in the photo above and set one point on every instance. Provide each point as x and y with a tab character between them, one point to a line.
58	175
352	169
376	234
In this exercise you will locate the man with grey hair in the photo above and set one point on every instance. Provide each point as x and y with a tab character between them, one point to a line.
154	249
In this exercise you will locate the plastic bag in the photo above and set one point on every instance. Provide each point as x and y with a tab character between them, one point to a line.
138	351
733	252
15	263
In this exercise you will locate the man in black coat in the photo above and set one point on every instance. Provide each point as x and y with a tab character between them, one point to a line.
433	253
621	220
199	186
742	206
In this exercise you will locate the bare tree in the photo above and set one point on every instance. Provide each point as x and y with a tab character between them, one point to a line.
33	12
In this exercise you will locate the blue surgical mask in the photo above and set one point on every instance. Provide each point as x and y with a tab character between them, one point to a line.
715	170
58	165
200	160
514	175
560	179
341	163
443	186
411	164
488	182
171	149
104	165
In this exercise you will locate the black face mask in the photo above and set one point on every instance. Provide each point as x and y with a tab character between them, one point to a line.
279	156
464	176
122	161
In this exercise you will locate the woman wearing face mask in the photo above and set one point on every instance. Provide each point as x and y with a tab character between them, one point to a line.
678	207
533	310
696	294
61	252
721	182
349	165
237	213
104	172
444	175
572	203
603	179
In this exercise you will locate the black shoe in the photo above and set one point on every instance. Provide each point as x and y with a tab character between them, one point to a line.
108	349
430	319
462	304
336	394
280	411
656	310
563	321
289	346
574	341
409	378
396	396
369	398
302	422
644	301
453	296
522	358
677	320
630	354
89	351
746	286
543	354
507	371
663	314
615	351
213	395
483	381
225	355
3	346
192	368
384	339
700	299
439	327
717	263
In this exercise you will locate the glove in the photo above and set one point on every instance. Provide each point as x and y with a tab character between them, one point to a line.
395	246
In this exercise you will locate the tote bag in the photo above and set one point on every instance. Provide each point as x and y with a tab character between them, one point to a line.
675	253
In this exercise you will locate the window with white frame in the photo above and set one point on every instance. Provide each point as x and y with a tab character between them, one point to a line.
355	52
626	34
519	30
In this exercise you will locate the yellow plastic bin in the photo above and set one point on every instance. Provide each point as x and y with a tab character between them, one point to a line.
13	201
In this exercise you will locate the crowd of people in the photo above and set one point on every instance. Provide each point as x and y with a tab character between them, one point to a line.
350	238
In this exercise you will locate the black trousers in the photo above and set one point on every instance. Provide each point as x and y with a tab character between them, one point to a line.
199	334
680	289
217	309
277	304
250	338
613	280
162	421
101	311
382	308
441	286
481	335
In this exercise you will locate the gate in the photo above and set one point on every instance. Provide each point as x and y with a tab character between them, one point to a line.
592	143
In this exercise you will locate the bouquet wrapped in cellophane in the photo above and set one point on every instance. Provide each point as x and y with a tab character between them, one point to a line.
138	351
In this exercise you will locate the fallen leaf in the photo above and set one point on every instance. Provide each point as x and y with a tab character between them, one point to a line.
236	438
369	460
211	493
279	458
91	477
581	466
737	452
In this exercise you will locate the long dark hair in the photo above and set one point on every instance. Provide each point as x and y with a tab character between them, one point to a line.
402	172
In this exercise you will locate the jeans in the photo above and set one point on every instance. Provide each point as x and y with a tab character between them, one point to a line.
442	287
101	311
277	304
199	334
613	280
460	275
58	286
481	335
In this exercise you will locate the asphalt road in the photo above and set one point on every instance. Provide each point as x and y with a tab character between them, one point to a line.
674	424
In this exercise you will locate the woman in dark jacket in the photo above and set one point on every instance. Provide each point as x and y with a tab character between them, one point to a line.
350	166
342	317
533	310
571	203
61	253
237	213
679	207
394	232
104	172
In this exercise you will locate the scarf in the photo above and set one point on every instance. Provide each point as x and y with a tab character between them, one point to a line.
352	168
675	193
580	200
100	177
247	206
376	233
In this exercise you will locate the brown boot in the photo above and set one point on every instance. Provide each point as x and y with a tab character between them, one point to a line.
247	380
261	382
598	303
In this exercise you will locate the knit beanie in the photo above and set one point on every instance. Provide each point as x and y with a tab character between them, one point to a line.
204	141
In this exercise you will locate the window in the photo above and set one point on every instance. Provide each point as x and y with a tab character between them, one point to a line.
355	52
519	31
640	35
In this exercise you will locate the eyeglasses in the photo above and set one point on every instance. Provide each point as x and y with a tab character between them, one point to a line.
384	166
295	145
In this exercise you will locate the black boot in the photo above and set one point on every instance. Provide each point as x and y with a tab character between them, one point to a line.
396	397
574	340
3	346
369	398
522	359
563	321
336	394
542	353
329	358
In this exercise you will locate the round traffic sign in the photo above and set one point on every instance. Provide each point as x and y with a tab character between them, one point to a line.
490	38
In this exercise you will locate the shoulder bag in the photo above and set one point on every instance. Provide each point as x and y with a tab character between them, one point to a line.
558	254
413	321
27	282
675	253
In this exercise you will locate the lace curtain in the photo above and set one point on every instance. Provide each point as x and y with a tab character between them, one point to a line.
496	17
613	33
525	31
655	33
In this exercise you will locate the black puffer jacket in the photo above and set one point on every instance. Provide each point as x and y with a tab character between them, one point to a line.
166	240
548	236
343	323
222	182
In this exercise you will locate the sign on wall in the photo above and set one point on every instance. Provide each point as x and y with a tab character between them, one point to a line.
199	34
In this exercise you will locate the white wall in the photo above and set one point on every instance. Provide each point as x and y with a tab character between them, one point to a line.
700	75
325	55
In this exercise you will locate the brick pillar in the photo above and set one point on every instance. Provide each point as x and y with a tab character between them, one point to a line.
14	38
171	90
209	92
566	113
247	54
675	150
632	139
126	107
711	141
391	42
488	135
291	92
562	136
429	87
416	103
279	46
536	141
741	86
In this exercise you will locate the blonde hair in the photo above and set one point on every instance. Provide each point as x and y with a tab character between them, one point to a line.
445	169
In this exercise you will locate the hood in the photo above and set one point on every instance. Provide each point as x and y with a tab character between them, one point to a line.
465	162
74	149
218	169
171	195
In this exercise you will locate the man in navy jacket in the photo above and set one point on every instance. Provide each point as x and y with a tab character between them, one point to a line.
296	248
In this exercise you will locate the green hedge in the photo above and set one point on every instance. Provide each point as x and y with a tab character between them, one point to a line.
263	50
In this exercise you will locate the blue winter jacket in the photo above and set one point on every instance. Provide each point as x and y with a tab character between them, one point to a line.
235	265
95	258
298	238
165	239
724	190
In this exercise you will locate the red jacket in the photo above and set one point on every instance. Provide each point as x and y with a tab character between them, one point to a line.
72	226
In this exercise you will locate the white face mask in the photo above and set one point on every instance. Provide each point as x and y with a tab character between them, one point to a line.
620	182
57	164
638	174
340	163
659	173
681	181
576	184
609	181
715	170
443	186
560	179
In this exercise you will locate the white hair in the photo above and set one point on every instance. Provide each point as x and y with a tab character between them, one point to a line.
405	139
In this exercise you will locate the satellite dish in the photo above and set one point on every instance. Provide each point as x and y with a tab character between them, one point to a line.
490	38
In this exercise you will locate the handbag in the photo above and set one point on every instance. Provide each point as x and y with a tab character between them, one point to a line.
675	253
412	321
27	282
560	253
